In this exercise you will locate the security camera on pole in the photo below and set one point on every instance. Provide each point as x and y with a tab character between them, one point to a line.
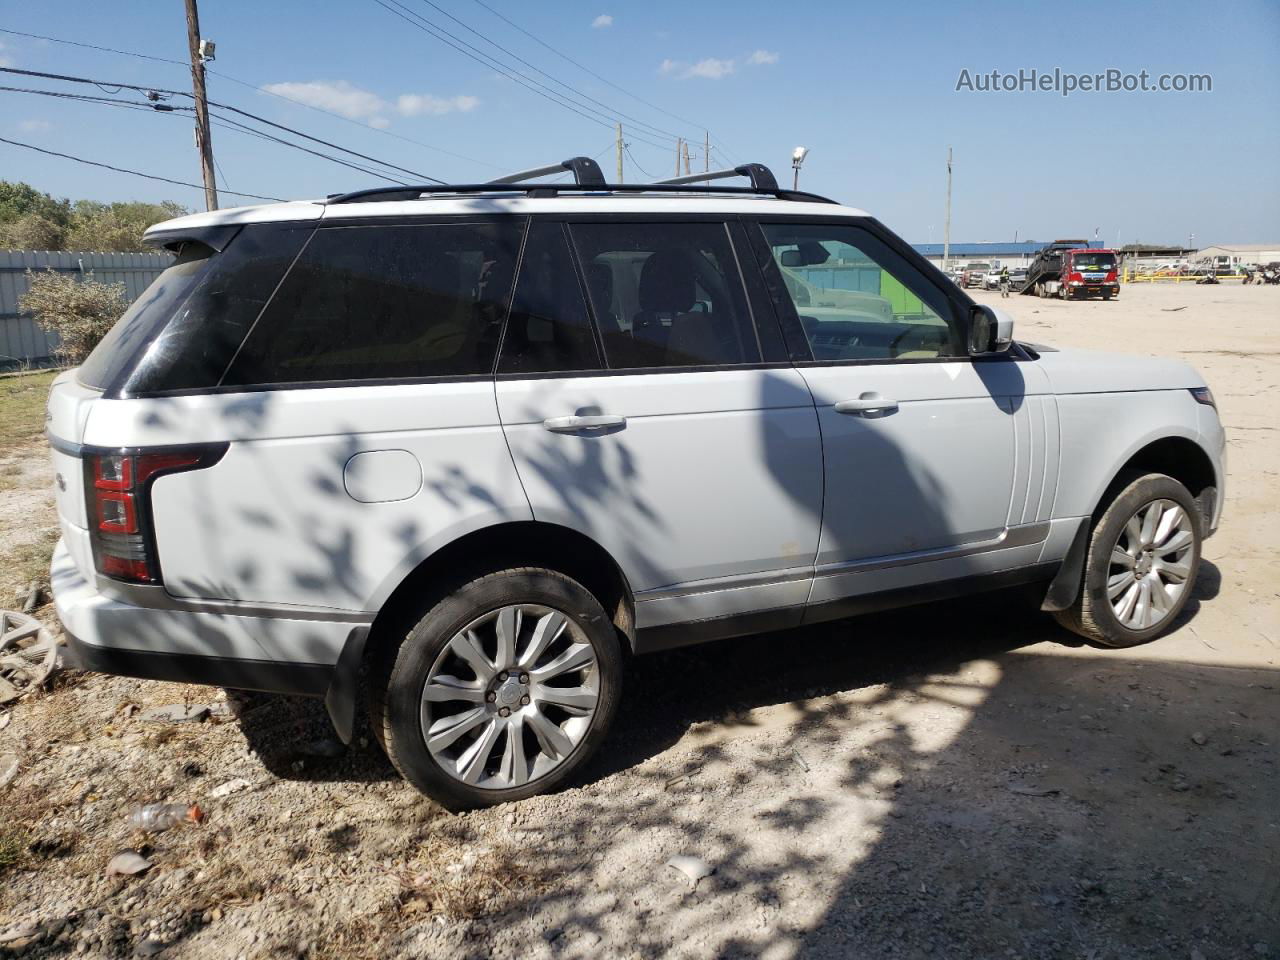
797	158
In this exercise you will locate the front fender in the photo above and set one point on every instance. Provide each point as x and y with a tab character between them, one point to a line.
1101	432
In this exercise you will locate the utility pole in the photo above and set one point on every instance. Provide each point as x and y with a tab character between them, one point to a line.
679	144
620	180
946	227
686	158
203	142
706	152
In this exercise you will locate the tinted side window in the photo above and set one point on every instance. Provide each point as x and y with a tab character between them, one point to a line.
666	294
381	302
201	336
548	329
855	299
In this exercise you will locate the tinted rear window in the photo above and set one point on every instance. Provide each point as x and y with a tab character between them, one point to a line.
192	350
386	302
108	360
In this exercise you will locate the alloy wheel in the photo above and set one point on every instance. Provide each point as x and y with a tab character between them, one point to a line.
510	697
1150	564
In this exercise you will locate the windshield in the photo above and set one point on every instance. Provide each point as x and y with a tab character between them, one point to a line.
156	305
1095	261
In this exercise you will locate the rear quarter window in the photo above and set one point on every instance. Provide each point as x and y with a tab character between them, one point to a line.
114	352
386	302
203	330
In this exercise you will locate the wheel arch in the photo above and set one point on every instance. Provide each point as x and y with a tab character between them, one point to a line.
1176	456
514	543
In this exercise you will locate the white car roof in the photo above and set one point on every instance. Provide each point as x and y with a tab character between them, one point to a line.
462	204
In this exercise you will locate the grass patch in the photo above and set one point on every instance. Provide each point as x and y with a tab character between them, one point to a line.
9	474
13	847
30	561
22	403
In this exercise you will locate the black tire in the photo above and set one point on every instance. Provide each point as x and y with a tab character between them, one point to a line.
1092	615
398	674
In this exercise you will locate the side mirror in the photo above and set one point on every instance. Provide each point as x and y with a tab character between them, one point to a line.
990	331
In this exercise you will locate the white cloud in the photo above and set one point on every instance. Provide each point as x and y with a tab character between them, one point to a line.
416	104
35	126
669	66
762	57
340	97
354	103
604	20
710	68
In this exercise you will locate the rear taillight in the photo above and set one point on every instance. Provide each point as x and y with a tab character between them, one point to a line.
118	489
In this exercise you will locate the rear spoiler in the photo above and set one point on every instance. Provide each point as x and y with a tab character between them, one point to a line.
215	237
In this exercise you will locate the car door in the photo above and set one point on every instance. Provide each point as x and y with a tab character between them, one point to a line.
663	431
935	462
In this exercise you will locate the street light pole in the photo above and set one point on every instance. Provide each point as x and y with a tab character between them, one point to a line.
797	158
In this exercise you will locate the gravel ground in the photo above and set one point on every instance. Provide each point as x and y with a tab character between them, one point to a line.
961	780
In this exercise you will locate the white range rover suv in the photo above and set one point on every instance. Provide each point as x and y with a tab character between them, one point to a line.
457	451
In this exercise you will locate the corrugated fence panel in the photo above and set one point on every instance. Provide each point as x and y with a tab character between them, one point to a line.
22	342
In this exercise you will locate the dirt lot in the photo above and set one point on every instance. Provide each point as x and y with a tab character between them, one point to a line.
961	780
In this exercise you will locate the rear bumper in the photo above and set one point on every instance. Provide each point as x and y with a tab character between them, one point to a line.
108	635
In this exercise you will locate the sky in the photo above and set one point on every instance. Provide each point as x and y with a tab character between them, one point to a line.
870	89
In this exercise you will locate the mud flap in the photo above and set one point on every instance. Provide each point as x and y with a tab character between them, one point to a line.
1065	587
340	698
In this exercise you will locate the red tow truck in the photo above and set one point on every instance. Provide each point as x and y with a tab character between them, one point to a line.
1071	270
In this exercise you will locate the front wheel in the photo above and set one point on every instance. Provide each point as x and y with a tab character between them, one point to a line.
1143	558
502	690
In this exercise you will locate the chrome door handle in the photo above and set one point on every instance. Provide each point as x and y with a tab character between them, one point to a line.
575	424
867	403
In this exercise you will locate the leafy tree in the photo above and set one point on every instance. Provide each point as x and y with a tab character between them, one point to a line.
115	226
21	199
79	311
31	220
32	231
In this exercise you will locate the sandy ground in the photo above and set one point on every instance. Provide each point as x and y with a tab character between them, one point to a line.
961	780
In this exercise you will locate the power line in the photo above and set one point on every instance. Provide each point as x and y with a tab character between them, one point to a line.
468	50
258	89
569	59
619	114
627	148
223	122
91	46
136	173
236	125
224	106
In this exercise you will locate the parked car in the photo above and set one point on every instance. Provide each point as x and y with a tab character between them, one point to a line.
991	279
466	454
1017	277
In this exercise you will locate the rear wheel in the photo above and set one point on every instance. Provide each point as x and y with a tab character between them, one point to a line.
1143	558
502	690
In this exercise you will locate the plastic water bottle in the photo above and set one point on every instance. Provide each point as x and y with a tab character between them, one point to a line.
155	817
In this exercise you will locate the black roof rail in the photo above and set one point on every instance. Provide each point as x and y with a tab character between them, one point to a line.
762	184
761	177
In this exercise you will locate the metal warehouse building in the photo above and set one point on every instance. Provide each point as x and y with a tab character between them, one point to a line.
1004	253
1237	253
